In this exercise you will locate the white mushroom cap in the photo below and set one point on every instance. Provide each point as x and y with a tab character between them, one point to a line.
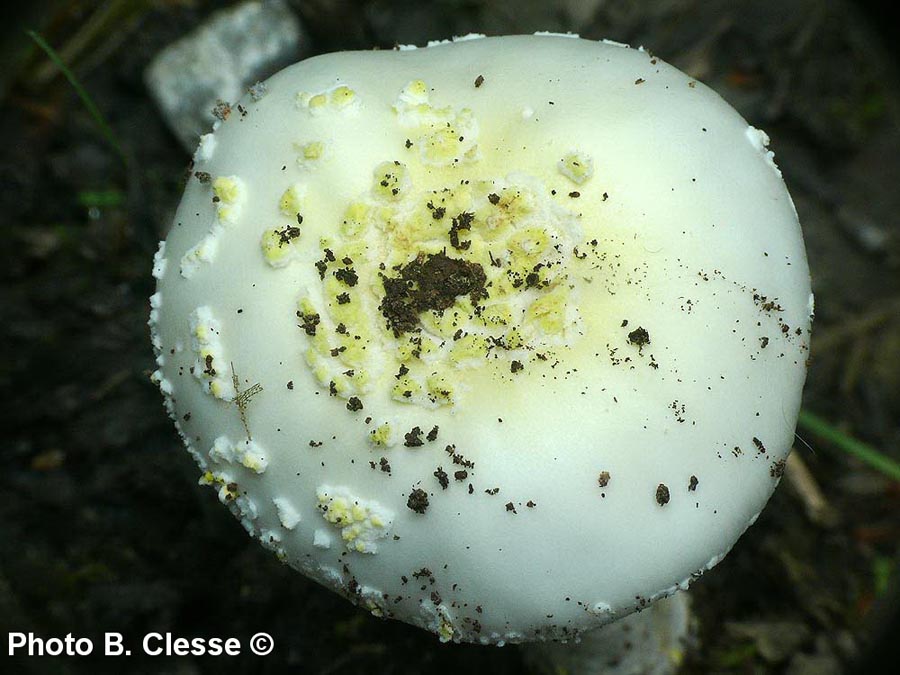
589	387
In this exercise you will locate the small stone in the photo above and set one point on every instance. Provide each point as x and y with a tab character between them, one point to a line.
221	60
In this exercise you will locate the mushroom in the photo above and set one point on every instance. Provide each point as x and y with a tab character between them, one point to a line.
504	337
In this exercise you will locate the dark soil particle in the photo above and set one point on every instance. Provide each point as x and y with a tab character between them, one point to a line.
322	265
347	276
418	500
414	438
431	282
461	222
639	336
309	322
662	495
287	234
777	469
221	111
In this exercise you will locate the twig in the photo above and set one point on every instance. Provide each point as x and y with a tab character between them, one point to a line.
109	385
804	484
242	398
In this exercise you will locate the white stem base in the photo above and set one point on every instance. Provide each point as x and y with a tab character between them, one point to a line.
651	642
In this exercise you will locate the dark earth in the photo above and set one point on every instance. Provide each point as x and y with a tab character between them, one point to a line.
430	282
102	524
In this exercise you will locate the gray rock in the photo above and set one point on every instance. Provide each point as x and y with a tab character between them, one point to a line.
220	61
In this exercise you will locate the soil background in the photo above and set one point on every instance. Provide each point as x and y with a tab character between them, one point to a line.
102	524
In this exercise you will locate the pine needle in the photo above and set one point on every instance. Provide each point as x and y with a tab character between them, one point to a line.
852	446
86	99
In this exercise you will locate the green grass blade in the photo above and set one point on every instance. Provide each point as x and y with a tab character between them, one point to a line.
88	102
862	451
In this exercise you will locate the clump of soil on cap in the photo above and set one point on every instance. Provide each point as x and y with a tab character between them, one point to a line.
430	282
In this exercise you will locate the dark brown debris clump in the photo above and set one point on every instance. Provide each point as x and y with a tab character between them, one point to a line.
413	438
287	234
461	222
662	495
639	337
308	322
776	470
418	500
431	282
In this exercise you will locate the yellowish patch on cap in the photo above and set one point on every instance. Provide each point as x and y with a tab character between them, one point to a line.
291	201
383	436
211	368
360	522
445	136
278	245
228	194
512	231
576	166
391	181
313	150
247	453
340	99
202	252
